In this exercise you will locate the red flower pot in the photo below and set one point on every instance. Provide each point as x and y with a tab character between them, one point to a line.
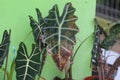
95	78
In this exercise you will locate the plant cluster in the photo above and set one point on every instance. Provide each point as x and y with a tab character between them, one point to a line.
53	34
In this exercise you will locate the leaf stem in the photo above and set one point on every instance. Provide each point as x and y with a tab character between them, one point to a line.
4	78
72	58
79	47
70	72
27	36
6	72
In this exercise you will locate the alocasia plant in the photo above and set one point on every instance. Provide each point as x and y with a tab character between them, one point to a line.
56	34
59	34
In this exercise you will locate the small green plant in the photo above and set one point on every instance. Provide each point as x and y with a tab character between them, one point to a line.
4	50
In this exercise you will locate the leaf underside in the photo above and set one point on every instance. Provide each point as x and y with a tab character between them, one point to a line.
4	46
60	34
27	67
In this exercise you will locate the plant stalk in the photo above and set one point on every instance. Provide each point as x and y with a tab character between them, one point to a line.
6	64
100	66
66	76
72	58
70	72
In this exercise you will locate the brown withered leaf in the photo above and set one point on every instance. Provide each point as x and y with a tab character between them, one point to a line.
60	34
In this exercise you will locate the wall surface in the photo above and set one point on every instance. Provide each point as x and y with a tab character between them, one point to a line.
14	16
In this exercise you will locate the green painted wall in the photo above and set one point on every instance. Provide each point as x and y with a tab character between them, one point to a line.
14	16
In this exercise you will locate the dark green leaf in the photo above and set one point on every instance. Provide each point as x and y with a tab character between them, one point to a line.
4	46
114	33
37	26
109	41
115	30
27	67
60	33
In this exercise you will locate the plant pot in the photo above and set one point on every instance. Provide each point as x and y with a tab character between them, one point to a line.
95	78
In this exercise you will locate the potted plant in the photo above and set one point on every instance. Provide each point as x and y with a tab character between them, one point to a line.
98	64
104	66
56	35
